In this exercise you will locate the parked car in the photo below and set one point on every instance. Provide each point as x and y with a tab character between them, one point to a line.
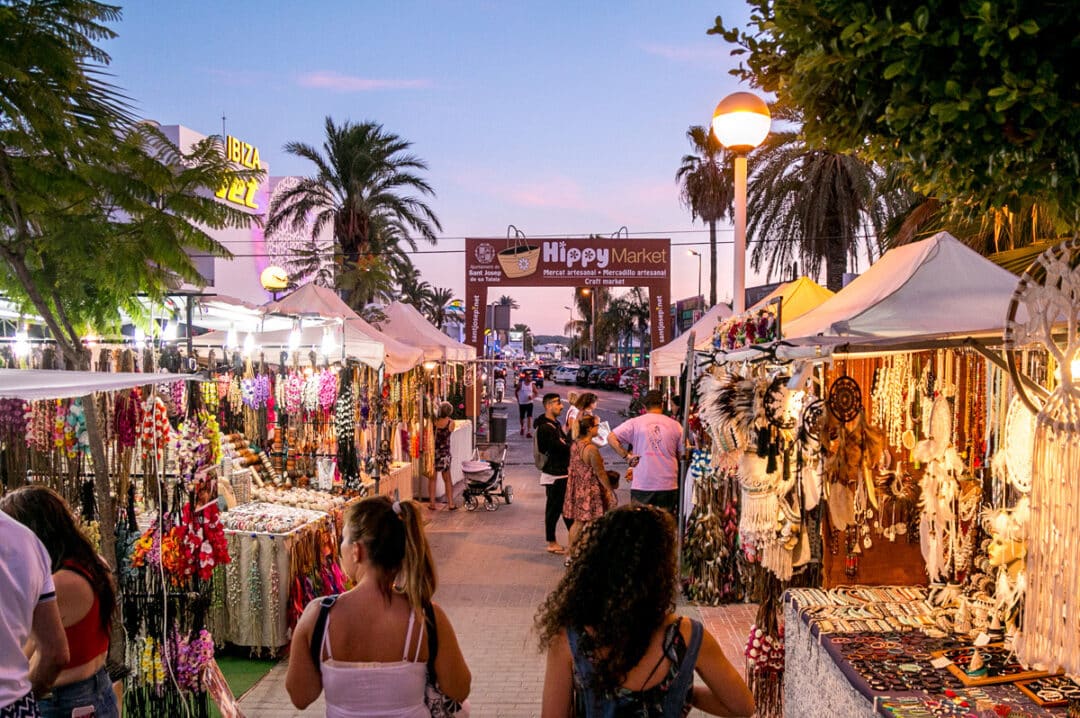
610	378
634	374
534	373
582	377
549	369
566	374
595	374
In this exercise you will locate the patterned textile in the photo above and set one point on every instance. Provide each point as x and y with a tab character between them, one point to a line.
25	707
442	447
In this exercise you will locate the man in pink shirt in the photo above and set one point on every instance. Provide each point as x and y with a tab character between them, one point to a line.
656	441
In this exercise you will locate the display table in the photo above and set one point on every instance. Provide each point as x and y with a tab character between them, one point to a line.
859	652
273	573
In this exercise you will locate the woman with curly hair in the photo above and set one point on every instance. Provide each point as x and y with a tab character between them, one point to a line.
615	647
86	597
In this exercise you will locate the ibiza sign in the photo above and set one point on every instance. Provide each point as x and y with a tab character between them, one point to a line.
579	262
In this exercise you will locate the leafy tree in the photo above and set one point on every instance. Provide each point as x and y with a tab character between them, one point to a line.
974	100
813	206
94	208
507	301
437	305
361	189
707	187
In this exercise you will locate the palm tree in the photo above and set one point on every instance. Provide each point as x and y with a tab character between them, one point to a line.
639	313
707	188
437	305
814	206
360	188
526	337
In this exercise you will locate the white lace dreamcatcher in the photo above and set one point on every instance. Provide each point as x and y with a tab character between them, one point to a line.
1049	295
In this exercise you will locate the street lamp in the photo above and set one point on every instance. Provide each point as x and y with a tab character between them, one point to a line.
571	308
592	321
741	122
692	253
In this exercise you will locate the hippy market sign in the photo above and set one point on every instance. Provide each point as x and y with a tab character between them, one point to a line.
579	262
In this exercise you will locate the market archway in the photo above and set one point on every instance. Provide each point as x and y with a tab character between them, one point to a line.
576	262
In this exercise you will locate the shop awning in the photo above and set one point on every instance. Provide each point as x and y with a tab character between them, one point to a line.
796	297
937	286
357	345
413	328
35	384
668	359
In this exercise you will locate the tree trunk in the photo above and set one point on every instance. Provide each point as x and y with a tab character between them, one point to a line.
835	260
712	263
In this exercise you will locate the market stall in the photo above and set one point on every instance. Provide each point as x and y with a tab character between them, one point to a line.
876	466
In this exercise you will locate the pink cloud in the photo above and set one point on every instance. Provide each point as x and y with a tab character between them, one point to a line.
689	53
336	82
556	192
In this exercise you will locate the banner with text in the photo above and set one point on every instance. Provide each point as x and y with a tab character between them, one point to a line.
578	262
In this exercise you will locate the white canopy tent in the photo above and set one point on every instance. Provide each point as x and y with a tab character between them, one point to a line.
312	300
404	321
934	287
35	384
668	359
357	345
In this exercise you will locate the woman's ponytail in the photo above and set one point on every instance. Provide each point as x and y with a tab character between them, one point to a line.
418	568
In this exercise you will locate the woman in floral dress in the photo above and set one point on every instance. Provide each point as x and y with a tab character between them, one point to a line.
588	493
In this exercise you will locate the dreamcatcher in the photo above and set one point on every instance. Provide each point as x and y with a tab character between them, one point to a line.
1047	295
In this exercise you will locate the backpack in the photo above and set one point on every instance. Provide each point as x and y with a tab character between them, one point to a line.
539	457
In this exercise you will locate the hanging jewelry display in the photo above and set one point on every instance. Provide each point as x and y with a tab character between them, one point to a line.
710	549
845	399
1047	295
345	418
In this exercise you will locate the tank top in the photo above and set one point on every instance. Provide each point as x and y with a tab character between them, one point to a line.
364	689
667	699
86	638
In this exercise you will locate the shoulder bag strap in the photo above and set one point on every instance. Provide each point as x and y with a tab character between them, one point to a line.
433	636
320	629
679	691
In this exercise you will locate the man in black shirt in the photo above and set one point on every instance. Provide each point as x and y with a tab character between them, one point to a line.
553	443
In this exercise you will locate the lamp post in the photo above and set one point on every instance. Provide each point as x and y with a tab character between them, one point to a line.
692	253
741	122
592	321
571	308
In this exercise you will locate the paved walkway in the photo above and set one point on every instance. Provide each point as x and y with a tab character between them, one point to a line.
493	574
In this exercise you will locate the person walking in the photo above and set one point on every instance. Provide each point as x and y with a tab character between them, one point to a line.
588	490
371	647
85	596
30	619
525	392
553	443
444	427
657	443
584	404
615	646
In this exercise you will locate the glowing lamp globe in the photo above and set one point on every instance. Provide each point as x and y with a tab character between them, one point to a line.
741	121
274	279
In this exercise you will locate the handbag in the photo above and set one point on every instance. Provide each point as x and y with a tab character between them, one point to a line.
438	703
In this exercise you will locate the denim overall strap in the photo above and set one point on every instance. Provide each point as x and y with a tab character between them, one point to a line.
676	697
583	670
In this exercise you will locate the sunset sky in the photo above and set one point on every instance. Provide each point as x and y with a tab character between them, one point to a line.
561	118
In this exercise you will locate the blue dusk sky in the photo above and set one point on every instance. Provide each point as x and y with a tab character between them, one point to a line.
561	118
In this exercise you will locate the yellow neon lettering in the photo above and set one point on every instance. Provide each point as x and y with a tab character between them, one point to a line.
249	198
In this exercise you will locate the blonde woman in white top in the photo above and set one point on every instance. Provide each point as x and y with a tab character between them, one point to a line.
374	645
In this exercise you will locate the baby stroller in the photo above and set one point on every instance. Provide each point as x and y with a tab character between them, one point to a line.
484	477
